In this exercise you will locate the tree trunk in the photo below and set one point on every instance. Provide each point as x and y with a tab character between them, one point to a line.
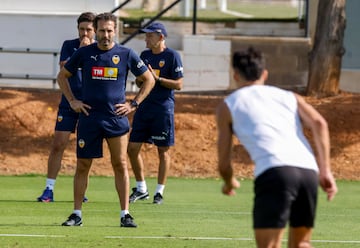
325	57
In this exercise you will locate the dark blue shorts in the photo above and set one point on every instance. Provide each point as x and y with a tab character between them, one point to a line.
66	120
154	128
285	194
93	129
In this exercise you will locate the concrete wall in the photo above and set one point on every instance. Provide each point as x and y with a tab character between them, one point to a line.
39	24
45	24
51	7
350	74
206	63
206	56
286	58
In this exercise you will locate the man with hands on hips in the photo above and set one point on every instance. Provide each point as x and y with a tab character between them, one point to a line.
103	110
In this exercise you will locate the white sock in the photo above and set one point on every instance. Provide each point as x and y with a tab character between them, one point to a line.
141	186
123	213
50	183
77	212
160	189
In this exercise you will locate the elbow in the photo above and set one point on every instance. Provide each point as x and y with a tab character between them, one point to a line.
320	126
322	123
179	85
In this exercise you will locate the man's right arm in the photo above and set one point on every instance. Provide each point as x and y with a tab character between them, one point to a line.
224	149
76	105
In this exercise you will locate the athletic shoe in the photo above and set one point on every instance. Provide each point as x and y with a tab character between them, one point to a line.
158	199
73	220
47	196
127	221
85	199
136	195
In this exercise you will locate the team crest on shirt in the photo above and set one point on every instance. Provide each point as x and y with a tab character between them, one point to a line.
59	118
115	59
161	63
81	143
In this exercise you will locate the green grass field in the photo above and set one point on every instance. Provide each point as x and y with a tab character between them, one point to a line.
194	214
257	10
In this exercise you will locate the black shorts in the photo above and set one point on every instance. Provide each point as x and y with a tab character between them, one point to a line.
93	129
285	194
66	120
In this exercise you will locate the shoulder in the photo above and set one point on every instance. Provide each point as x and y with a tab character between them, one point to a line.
88	48
171	52
146	52
73	42
118	47
274	90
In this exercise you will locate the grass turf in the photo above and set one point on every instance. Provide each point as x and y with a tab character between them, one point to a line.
194	214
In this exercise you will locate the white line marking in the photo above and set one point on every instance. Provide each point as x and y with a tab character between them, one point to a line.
337	241
222	238
31	235
234	13
186	238
170	237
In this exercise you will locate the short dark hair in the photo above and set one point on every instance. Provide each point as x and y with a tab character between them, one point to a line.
86	17
249	63
105	17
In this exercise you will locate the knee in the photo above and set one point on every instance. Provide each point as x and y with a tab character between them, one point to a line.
58	146
164	152
132	150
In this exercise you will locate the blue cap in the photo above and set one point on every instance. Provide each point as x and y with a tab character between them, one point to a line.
156	27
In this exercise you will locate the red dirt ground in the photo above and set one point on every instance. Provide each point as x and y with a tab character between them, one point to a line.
27	121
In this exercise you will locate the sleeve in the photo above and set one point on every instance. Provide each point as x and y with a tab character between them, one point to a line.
73	63
64	52
178	70
135	63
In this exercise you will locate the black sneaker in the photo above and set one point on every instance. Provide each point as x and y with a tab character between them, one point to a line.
158	199
73	220
136	195
127	221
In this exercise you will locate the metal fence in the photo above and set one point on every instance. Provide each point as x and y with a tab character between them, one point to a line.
20	52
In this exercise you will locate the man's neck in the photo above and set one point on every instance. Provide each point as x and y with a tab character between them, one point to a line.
158	49
105	48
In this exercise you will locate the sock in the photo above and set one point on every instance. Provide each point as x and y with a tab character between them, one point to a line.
77	212
50	183
160	189
141	186
123	213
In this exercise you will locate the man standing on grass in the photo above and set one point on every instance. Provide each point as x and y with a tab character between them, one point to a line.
103	110
154	120
67	118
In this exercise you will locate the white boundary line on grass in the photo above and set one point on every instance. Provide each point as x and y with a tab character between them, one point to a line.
222	238
31	235
163	237
170	237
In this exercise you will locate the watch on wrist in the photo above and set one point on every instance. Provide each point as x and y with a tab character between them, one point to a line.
134	103
158	80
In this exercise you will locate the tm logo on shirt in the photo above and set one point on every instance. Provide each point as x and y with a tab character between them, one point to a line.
104	73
